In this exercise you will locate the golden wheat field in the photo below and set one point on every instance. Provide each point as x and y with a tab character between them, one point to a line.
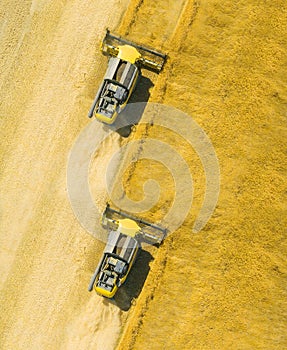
224	287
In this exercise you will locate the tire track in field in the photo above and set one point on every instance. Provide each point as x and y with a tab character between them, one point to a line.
152	23
175	44
144	13
170	39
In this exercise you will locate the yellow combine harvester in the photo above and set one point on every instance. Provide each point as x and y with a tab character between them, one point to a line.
124	69
126	234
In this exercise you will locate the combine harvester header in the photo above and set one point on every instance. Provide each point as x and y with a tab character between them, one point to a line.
112	45
143	230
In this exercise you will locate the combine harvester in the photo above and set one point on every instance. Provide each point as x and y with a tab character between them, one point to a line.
126	234
124	69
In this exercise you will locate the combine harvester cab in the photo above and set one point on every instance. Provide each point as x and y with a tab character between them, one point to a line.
124	68
126	234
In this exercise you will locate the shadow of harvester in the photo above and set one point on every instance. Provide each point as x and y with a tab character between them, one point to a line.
134	110
132	287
